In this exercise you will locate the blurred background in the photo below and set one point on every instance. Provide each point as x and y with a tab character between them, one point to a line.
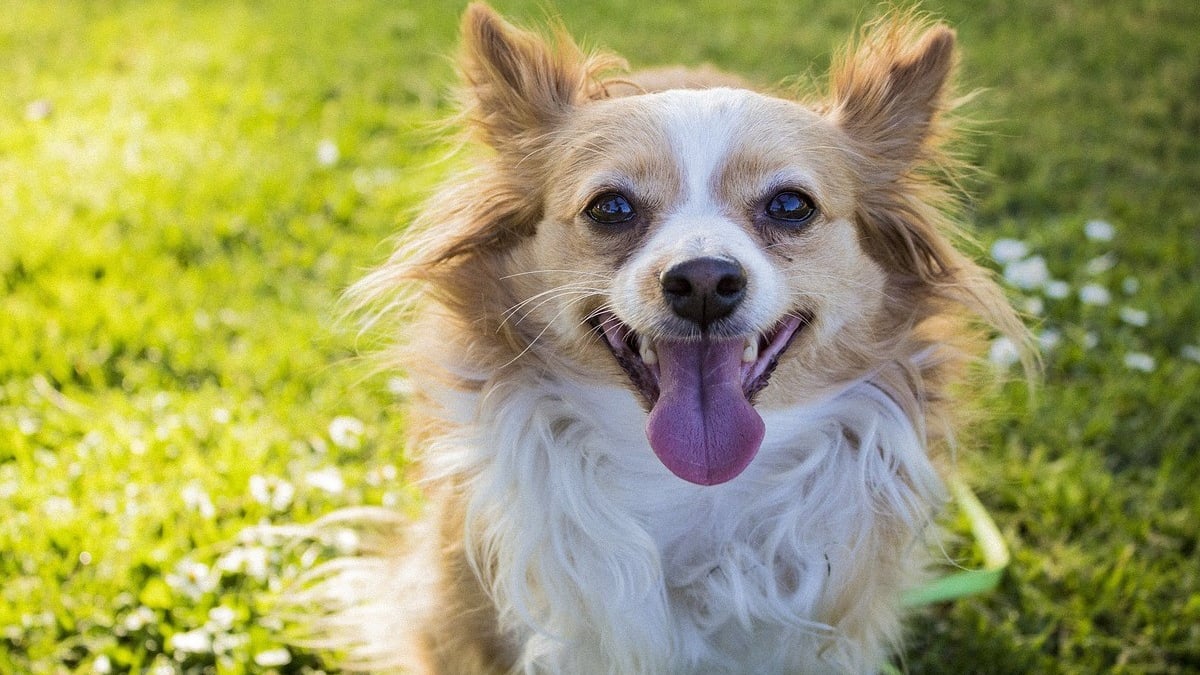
186	188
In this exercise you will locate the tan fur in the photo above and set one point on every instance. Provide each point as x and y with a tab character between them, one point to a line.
467	641
466	252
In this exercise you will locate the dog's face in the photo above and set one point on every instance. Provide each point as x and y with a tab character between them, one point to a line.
704	241
709	250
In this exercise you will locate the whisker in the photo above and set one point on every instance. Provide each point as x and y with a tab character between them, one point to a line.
598	275
553	293
883	293
611	317
542	332
563	293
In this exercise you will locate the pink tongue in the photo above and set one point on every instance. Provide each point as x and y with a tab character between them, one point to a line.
702	427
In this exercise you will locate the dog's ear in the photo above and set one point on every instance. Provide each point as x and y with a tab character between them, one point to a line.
889	95
519	84
889	92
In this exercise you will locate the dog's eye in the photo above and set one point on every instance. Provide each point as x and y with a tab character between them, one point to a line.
610	208
791	207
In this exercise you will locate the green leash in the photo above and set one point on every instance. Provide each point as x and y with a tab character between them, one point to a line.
966	582
991	545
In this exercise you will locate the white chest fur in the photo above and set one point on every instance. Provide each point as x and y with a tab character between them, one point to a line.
605	562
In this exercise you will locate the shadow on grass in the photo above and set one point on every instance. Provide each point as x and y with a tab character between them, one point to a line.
940	640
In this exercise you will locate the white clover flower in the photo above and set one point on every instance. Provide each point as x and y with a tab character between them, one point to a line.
28	424
249	560
346	541
1099	230
1035	306
232	561
220	619
38	110
256	562
221	415
328	153
202	321
1027	274
273	658
170	424
196	499
400	387
1090	340
1130	285
328	479
259	490
102	665
282	495
346	432
1191	352
59	508
1095	294
193	579
196	641
1135	317
223	643
317	445
1009	250
1003	352
379	475
271	491
1140	361
1049	339
1101	264
1057	289
139	618
178	87
161	401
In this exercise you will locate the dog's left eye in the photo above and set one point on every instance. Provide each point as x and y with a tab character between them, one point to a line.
610	208
791	207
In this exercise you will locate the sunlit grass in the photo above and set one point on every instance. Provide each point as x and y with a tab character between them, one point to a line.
185	189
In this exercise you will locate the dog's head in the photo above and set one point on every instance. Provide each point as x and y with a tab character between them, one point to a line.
711	250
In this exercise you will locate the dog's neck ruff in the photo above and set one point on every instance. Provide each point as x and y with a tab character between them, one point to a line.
587	542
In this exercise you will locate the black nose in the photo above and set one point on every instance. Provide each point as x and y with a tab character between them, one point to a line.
704	289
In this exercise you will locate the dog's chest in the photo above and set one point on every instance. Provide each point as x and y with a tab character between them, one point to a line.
601	544
742	543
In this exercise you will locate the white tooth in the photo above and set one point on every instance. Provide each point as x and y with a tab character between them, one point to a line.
750	353
646	351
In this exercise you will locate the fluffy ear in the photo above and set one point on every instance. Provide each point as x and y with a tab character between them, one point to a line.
888	93
519	84
888	96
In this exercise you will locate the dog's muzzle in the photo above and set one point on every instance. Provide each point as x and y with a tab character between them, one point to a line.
700	383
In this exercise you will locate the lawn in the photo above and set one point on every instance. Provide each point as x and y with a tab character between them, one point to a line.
186	188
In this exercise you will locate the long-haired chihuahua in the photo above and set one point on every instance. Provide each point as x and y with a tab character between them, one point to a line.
682	357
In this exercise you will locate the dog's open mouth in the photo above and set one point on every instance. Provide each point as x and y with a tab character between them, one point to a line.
703	425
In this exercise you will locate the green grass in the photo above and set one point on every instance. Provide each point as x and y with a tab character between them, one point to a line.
172	247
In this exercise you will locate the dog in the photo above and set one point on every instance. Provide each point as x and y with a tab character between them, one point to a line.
682	358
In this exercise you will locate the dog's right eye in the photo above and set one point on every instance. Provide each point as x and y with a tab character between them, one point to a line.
610	208
791	207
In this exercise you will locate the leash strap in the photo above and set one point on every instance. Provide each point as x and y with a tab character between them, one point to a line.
966	582
991	544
